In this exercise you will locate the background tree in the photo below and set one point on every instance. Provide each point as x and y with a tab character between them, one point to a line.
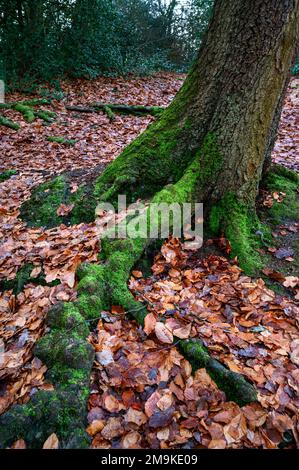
45	39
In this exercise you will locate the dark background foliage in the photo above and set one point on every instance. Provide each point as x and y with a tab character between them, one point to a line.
42	40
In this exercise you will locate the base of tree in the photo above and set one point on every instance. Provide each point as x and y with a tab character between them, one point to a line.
65	350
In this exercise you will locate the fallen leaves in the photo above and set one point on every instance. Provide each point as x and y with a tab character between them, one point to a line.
163	334
52	442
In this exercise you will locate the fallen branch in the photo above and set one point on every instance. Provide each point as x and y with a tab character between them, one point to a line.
8	123
26	108
130	109
111	108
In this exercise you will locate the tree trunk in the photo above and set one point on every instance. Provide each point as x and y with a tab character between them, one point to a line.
212	143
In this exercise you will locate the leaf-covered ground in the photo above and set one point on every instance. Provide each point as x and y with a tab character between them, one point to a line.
143	393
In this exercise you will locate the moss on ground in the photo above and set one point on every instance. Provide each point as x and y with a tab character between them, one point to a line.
7	174
9	123
69	358
61	140
22	278
61	412
281	179
41	209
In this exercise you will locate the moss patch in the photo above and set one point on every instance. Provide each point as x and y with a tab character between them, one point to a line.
61	140
22	278
283	180
242	227
7	174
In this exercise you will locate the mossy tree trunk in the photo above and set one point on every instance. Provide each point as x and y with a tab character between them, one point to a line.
222	123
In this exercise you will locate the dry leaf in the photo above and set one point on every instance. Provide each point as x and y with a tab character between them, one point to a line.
52	442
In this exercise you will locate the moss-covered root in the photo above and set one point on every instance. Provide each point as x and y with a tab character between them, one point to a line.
61	140
234	385
69	358
108	284
242	228
8	123
26	108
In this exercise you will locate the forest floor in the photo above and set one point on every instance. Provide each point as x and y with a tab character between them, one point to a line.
144	395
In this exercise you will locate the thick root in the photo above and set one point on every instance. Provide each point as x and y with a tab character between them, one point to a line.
234	385
8	123
110	108
26	108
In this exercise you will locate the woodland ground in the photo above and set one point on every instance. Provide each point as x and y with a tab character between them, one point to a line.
143	393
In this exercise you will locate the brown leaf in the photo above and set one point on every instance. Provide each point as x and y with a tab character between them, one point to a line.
95	427
135	416
20	444
161	418
52	442
183	332
111	404
151	404
131	440
291	281
64	209
149	323
163	334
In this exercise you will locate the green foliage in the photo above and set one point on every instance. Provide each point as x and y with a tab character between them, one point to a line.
45	39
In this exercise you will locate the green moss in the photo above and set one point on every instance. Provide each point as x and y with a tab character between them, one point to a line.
61	140
7	174
62	412
234	385
9	123
36	102
47	116
22	278
66	317
41	209
150	161
240	225
283	180
66	377
65	348
26	111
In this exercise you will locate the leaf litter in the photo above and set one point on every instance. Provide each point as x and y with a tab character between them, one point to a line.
143	393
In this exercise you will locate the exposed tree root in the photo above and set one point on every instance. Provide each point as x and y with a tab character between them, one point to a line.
65	348
61	140
8	123
111	108
26	108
